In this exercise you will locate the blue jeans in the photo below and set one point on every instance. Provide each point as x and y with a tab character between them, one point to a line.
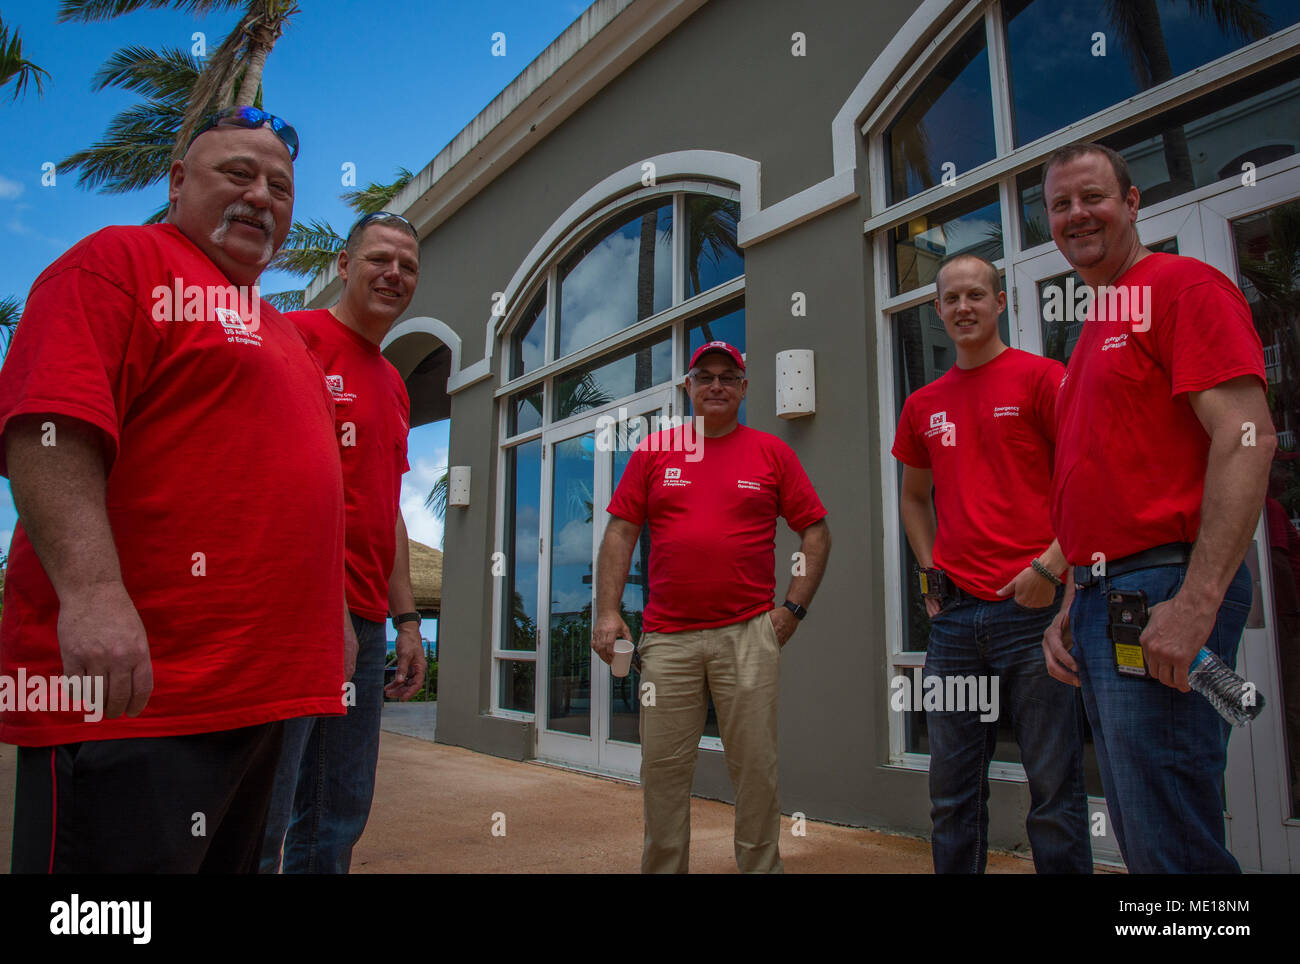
326	776
1002	640
1162	753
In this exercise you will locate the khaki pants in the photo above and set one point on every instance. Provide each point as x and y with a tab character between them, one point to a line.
740	666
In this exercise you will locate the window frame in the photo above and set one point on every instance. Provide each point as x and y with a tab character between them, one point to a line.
676	319
1001	171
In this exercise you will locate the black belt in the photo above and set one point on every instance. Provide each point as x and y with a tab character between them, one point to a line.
1170	554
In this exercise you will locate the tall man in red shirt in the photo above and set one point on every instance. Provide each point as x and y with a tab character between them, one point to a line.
709	626
326	777
982	436
1164	441
170	443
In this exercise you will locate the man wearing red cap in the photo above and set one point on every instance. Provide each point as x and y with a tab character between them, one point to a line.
710	627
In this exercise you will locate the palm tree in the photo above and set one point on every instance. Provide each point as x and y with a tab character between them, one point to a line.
14	65
1137	25
11	309
143	140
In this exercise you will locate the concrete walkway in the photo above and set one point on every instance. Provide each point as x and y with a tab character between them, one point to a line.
436	806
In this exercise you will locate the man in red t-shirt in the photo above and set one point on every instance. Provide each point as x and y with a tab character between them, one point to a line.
982	436
711	493
169	440
326	777
1164	441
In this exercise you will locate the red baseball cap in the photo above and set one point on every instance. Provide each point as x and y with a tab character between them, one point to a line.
719	346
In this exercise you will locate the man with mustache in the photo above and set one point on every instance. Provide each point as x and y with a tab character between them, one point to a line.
326	777
180	533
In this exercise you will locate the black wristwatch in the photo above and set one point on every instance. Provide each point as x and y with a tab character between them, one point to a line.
799	611
405	618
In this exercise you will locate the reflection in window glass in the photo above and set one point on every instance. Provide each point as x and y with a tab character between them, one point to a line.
947	126
524	412
1268	250
624	700
1207	140
617	278
528	343
569	666
972	225
523	498
1058	76
516	679
712	254
644	365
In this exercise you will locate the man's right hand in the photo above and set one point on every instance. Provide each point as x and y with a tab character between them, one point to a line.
608	628
932	606
1057	645
100	634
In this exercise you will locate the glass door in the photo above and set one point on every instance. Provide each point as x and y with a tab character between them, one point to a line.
1252	234
585	717
1048	317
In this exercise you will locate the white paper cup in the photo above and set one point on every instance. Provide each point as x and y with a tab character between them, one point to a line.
622	662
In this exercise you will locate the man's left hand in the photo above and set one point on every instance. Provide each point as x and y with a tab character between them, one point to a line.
1032	590
1175	632
784	622
410	664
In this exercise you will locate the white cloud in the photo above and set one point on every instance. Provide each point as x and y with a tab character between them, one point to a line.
10	189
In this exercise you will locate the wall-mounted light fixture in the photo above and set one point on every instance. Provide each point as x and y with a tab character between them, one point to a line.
796	387
458	486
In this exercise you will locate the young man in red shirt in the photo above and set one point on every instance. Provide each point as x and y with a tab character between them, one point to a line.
326	777
982	436
169	439
1164	441
710	626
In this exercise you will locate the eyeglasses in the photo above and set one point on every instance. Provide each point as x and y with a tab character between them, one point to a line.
251	118
727	380
380	217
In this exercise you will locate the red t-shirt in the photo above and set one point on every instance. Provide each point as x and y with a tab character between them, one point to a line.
219	441
987	435
1130	453
713	522
372	418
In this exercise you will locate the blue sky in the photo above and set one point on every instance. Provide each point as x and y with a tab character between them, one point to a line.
379	86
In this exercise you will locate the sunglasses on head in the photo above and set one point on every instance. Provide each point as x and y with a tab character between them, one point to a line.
251	118
380	217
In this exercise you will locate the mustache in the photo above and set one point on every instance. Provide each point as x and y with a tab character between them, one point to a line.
241	209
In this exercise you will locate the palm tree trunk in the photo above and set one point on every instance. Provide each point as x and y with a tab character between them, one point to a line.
1178	159
253	75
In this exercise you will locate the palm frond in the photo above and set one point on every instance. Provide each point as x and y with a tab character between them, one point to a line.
14	64
288	300
11	309
134	153
92	11
308	249
166	74
1242	18
375	197
436	501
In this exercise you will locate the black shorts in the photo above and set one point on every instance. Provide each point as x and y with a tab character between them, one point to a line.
171	804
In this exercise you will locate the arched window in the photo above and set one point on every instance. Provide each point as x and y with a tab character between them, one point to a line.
606	325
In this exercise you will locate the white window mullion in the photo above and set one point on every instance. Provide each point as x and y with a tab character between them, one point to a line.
679	248
995	39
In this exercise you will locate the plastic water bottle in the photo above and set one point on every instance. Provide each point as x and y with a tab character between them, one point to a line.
1237	701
